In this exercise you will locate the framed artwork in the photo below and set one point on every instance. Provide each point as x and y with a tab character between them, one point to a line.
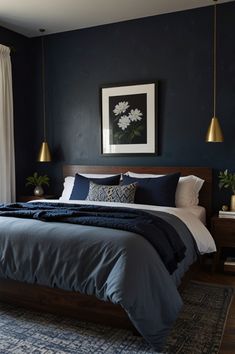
129	120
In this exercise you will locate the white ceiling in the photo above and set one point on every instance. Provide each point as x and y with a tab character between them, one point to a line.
27	16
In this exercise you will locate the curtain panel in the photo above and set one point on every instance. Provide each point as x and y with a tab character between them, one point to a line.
7	152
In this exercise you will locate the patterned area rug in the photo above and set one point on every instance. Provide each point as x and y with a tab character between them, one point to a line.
198	330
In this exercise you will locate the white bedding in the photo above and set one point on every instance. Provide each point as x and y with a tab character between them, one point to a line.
192	217
198	211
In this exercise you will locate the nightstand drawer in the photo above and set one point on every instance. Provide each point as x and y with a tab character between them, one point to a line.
223	231
225	239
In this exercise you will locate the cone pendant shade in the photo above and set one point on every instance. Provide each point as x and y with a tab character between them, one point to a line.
214	133
44	153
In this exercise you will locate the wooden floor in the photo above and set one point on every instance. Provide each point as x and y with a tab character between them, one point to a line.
228	342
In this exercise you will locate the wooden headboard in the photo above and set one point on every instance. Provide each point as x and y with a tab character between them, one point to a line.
202	172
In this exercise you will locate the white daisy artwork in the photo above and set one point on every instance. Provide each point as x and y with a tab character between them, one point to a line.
129	119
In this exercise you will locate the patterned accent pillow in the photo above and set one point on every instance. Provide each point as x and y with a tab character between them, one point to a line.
120	194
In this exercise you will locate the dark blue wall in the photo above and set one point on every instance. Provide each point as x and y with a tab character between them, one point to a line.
176	50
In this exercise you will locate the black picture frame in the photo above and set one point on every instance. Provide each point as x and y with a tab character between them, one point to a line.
129	119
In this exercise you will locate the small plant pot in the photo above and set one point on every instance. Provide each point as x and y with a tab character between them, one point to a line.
38	191
232	205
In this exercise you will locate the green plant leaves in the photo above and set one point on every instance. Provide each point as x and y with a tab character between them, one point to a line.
227	180
36	180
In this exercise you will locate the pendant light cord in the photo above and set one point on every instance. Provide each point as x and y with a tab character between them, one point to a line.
43	89
214	58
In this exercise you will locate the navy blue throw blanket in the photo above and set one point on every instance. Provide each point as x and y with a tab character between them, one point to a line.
162	236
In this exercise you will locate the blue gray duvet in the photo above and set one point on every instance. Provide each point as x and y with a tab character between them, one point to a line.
116	265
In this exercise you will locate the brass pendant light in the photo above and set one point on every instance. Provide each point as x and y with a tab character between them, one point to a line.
44	153
214	133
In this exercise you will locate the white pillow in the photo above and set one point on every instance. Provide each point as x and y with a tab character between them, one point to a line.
187	191
141	175
69	182
97	175
68	187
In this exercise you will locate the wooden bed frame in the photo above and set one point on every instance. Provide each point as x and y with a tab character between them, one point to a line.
81	306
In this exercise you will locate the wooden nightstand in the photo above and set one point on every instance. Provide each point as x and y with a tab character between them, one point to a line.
223	232
27	198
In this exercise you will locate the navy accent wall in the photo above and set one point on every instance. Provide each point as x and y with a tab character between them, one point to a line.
176	50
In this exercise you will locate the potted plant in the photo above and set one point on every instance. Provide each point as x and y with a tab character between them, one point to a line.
37	181
227	180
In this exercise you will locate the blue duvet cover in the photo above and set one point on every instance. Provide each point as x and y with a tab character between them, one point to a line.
113	264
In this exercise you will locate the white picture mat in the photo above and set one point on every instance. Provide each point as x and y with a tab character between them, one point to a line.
150	146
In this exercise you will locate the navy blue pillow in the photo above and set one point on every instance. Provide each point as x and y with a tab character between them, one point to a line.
155	191
81	185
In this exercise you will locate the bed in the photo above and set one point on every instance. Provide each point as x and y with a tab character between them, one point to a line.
111	304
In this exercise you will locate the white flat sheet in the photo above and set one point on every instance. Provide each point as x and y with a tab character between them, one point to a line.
198	211
190	216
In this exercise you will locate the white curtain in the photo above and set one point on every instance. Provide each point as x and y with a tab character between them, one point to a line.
7	154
